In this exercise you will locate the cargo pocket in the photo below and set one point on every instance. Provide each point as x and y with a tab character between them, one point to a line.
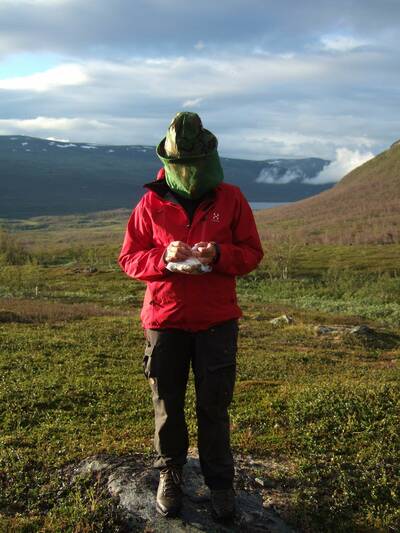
147	359
221	378
148	368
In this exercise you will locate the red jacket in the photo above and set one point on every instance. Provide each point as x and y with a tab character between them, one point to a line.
190	302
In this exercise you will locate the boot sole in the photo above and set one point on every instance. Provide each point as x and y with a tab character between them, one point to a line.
170	513
227	518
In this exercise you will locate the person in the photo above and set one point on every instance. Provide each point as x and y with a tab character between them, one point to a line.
190	216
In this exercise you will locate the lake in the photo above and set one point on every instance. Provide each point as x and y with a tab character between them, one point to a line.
256	206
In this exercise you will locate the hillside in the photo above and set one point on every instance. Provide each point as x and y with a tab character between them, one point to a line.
43	177
364	207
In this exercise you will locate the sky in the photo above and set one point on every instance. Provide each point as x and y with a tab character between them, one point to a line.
270	79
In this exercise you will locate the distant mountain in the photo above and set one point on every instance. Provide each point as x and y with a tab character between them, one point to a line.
45	177
364	207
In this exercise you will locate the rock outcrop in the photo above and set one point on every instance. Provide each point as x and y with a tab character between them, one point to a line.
132	483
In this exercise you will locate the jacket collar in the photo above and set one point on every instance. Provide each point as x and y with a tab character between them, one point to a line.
161	189
159	186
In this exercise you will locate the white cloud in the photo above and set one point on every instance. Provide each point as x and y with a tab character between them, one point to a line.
219	76
259	106
341	43
112	131
292	134
258	50
192	103
345	161
199	45
38	125
271	175
61	76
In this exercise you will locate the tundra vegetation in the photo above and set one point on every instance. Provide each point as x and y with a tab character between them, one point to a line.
324	409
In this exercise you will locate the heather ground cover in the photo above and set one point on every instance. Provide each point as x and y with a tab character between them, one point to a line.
324	406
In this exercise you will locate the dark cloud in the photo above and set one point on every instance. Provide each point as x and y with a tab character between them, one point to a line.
100	27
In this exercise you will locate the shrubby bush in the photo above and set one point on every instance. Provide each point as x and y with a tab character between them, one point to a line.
12	252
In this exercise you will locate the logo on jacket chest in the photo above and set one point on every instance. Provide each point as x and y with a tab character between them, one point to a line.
215	216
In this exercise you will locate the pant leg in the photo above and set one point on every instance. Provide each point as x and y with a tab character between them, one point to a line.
166	365
214	366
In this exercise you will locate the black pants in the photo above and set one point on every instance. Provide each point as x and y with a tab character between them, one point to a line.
212	354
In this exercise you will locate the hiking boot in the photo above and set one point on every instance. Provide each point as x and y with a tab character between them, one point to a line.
169	493
223	503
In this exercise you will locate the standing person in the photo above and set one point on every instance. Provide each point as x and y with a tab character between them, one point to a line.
190	317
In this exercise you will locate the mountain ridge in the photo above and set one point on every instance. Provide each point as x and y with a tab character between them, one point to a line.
51	177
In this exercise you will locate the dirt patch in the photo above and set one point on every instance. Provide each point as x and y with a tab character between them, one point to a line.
38	311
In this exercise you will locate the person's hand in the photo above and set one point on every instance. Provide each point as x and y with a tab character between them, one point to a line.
205	252
177	251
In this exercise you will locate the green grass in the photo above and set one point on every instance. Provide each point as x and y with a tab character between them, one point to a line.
326	406
366	295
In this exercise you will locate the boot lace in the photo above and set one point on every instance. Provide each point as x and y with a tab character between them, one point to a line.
172	479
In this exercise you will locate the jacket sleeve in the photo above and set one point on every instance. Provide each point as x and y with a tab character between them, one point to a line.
245	252
139	257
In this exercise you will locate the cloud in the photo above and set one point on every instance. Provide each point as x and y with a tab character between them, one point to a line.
259	107
112	131
341	43
345	161
176	79
192	103
255	74
272	175
39	125
60	76
96	28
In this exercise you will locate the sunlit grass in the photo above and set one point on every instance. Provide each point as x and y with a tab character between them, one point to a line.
328	406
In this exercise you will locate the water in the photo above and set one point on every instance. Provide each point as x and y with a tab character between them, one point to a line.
256	206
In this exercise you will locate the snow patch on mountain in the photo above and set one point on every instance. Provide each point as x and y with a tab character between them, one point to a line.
57	139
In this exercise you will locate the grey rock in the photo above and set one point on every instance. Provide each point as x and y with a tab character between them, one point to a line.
281	320
133	484
361	330
325	330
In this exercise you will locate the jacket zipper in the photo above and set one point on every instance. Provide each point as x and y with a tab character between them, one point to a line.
189	227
